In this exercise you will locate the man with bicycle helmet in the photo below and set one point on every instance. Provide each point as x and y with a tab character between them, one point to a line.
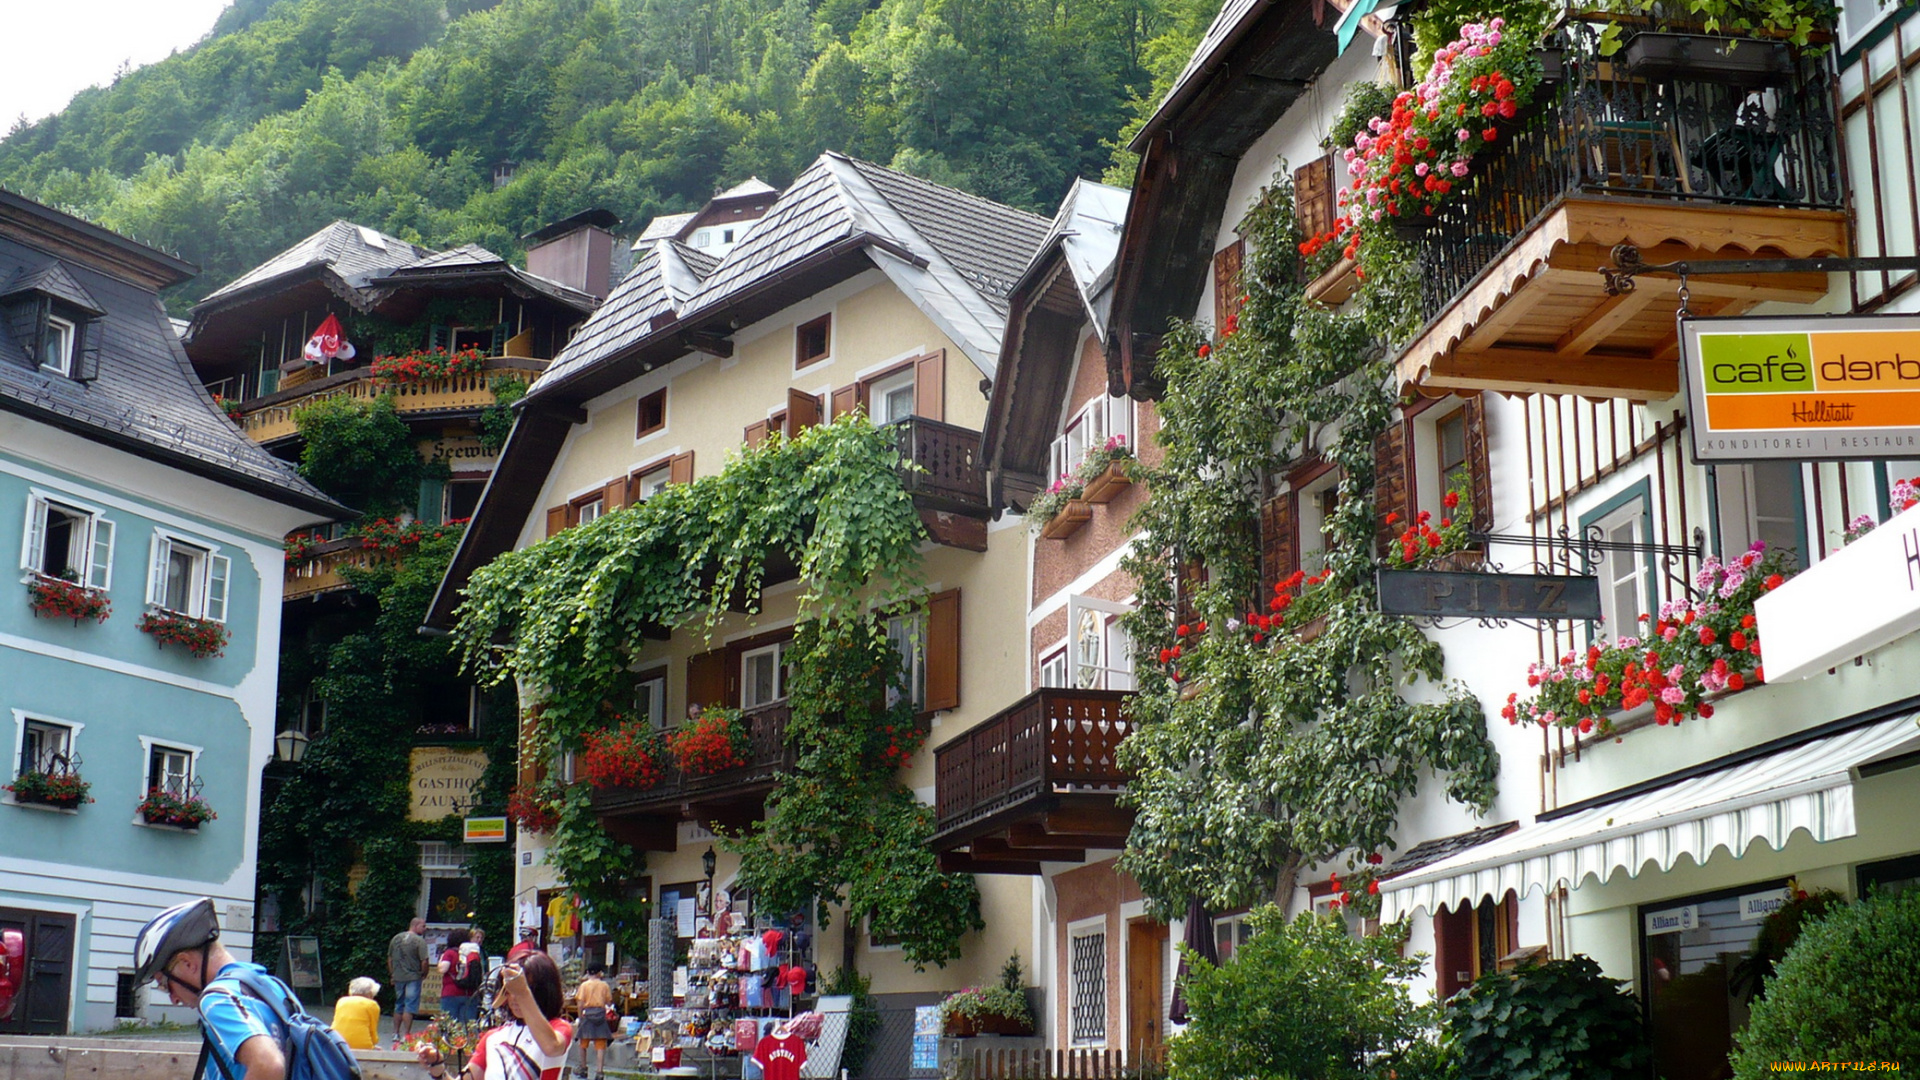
180	950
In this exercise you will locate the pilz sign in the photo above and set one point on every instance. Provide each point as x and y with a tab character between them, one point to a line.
1803	387
1449	594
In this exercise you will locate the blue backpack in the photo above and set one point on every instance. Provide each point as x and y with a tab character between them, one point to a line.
313	1050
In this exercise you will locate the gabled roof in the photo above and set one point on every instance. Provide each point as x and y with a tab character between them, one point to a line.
751	187
663	227
1086	233
52	280
464	255
352	253
988	242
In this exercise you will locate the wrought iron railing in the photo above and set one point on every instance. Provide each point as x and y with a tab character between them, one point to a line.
1672	132
768	755
950	457
1052	741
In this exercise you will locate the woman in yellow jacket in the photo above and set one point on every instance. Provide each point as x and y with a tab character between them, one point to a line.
357	1016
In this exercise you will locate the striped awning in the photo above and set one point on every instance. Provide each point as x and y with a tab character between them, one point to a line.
1809	786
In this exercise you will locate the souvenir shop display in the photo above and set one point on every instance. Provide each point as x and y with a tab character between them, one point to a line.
744	974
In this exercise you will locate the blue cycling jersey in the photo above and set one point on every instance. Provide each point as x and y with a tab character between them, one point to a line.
230	1016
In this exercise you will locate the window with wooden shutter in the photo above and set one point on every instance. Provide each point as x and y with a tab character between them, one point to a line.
1313	198
613	496
943	651
682	468
1392	484
757	432
707	679
1279	542
803	412
556	520
1193	574
1480	474
930	385
1226	281
844	400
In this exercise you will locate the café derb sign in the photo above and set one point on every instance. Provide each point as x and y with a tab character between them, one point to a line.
1453	595
1802	387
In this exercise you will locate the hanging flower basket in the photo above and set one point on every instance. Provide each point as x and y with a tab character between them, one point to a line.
203	638
180	811
533	809
62	790
713	742
57	598
622	758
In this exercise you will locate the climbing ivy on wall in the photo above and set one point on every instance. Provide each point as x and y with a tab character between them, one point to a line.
1255	751
842	827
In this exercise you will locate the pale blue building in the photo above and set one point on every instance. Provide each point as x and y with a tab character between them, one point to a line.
139	652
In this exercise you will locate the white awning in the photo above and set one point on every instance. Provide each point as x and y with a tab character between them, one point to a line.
1809	787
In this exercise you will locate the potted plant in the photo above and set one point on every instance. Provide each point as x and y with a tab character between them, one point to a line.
63	598
1060	510
1000	1009
624	757
201	637
1104	472
712	742
61	788
162	807
535	808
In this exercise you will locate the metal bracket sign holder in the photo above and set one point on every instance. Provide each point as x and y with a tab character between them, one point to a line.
1628	264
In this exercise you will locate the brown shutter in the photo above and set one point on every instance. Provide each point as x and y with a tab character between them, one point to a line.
680	468
757	433
1193	574
1279	542
557	520
1392	485
1226	281
1313	197
845	400
615	495
943	651
1481	476
930	385
803	412
707	678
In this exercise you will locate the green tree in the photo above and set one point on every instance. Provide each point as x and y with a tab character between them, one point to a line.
360	452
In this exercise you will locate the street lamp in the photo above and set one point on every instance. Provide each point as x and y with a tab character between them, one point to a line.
290	746
707	862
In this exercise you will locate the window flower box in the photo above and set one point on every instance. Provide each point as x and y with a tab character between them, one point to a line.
203	638
60	790
1736	61
712	742
1073	514
1000	1009
162	807
1108	483
57	598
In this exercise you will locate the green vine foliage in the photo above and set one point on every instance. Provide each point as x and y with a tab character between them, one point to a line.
496	420
841	827
360	452
373	336
1261	757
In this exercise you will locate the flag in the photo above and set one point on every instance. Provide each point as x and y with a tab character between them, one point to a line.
327	343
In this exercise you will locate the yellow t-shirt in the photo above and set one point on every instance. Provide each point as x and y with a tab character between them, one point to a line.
560	911
357	1019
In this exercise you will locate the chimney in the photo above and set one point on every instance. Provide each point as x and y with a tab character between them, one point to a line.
576	252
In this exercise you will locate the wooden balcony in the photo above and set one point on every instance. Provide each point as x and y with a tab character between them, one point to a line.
320	572
1686	166
270	418
1038	782
949	487
648	818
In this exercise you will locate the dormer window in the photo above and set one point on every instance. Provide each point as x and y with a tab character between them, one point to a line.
56	346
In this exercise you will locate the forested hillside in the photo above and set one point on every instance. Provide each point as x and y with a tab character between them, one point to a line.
396	113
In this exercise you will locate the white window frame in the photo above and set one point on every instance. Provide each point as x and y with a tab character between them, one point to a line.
656	714
880	389
589	510
21	718
1237	933
1090	428
778	651
1850	34
149	744
65	332
649	483
1056	669
908	636
1105	670
1076	931
211	587
1617	568
96	543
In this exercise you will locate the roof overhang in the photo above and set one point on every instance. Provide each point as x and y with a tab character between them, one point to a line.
1189	152
86	244
1035	375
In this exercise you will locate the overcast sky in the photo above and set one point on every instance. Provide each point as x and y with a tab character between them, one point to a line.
60	47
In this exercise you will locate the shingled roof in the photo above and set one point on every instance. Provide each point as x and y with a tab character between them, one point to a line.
353	253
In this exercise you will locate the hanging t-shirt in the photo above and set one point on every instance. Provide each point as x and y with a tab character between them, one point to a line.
560	911
498	1060
780	1059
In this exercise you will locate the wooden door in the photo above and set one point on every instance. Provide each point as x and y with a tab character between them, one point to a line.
1146	982
44	989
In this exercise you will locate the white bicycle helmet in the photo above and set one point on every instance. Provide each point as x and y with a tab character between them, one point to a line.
192	925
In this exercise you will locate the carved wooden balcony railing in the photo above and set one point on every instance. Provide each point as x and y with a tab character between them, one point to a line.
270	418
320	572
950	456
1034	783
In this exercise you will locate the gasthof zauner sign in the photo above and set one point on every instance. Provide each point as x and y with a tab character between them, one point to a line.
1803	387
443	781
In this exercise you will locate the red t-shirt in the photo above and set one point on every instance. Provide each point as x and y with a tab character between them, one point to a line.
780	1059
451	958
549	1067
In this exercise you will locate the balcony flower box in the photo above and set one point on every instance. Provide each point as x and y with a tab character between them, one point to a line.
203	638
60	790
712	742
1109	482
1708	57
1073	514
626	757
162	807
57	598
